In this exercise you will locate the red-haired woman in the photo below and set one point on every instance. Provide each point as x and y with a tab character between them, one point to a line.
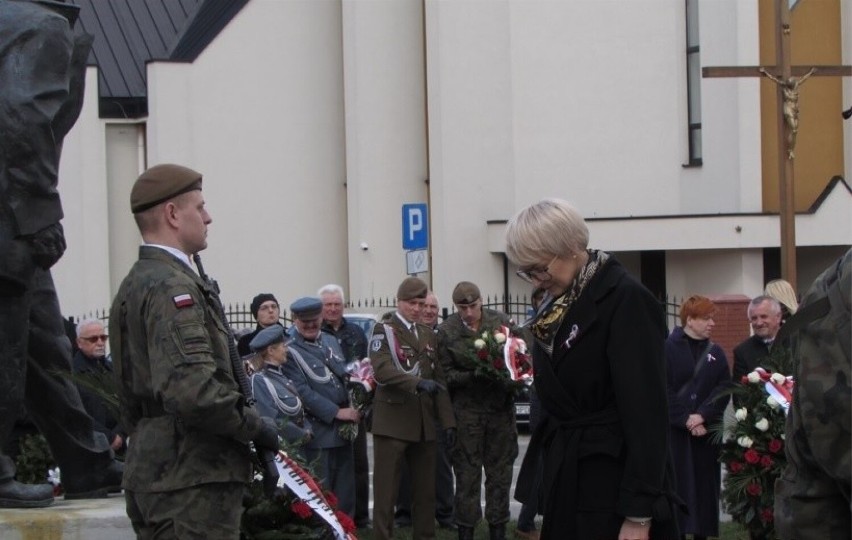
697	372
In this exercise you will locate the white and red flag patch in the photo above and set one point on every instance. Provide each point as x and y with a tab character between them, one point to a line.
183	300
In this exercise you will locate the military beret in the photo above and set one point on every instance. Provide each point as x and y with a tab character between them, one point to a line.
466	293
266	337
306	308
411	288
258	300
161	183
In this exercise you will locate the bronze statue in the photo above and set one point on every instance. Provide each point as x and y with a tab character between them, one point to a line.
42	68
790	89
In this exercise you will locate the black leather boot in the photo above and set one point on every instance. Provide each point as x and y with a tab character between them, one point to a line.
497	532
14	494
94	484
465	533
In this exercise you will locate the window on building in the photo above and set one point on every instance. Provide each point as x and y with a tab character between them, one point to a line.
693	83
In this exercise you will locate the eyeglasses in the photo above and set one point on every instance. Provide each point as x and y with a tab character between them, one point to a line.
95	339
538	274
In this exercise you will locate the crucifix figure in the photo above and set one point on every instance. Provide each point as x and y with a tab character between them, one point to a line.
790	89
788	79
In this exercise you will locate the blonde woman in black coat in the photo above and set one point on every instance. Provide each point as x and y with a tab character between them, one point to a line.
600	375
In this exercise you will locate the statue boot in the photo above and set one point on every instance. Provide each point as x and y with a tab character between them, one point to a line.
94	484
465	533
497	532
14	494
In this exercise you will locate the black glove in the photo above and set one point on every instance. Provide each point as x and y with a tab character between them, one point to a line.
429	386
267	439
47	245
450	437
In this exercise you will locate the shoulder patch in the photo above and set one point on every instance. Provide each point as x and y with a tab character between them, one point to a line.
183	300
376	341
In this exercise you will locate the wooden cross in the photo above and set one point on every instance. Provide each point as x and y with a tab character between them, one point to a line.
788	79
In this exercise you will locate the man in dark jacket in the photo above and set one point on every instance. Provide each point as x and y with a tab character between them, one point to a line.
91	359
266	311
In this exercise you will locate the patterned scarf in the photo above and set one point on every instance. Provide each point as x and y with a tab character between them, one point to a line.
549	318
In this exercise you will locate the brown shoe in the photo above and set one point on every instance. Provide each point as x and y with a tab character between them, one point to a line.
527	535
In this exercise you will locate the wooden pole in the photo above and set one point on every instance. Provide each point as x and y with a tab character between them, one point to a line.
785	157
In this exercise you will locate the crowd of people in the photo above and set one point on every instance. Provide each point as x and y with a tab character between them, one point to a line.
622	409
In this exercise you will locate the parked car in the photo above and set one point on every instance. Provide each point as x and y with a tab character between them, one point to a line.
365	320
522	408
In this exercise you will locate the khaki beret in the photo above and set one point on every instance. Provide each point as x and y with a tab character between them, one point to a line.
466	293
161	183
411	288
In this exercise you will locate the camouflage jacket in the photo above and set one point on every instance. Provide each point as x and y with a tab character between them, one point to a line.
455	342
812	497
187	420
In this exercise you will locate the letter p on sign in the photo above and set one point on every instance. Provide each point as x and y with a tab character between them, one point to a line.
415	226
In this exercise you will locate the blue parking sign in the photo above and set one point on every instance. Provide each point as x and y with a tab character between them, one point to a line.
415	226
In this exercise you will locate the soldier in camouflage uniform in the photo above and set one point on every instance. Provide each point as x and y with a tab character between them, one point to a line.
812	497
484	410
188	455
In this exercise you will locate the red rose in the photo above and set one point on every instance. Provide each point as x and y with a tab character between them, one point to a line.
301	509
345	521
766	461
331	499
754	489
767	515
497	363
735	466
751	456
775	445
482	354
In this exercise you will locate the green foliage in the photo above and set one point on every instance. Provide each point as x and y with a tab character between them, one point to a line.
34	460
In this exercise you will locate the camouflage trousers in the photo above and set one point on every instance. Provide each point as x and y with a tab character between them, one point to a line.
486	441
207	511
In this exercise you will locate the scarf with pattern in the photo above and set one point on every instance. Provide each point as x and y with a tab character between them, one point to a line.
549	318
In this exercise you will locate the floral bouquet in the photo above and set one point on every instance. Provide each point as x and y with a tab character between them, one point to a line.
501	357
362	388
753	449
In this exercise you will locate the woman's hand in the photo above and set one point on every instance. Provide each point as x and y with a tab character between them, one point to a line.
694	421
698	431
632	530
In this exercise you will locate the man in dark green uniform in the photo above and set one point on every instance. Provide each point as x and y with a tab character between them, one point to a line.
189	426
484	410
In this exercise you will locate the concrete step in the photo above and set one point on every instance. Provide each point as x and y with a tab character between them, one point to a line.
91	519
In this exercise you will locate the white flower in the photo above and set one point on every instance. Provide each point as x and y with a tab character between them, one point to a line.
485	335
745	441
741	414
753	377
772	402
783	437
777	378
499	337
479	344
762	424
53	476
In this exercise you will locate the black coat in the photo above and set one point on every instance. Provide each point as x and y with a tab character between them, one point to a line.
695	458
748	355
104	420
605	438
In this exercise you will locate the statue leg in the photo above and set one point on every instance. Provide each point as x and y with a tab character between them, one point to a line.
14	325
53	401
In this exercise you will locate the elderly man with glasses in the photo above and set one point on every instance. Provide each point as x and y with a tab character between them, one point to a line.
91	359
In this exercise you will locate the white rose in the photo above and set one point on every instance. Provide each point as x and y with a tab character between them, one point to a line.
485	335
783	437
772	402
499	337
777	378
745	441
741	414
479	344
753	377
762	424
